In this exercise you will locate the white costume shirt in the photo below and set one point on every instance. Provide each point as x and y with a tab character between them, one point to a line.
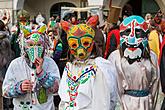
88	86
19	71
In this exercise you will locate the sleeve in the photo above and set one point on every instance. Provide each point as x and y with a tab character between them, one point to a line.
162	70
155	81
49	77
57	52
99	41
109	79
107	46
11	88
111	45
64	96
113	58
153	41
100	93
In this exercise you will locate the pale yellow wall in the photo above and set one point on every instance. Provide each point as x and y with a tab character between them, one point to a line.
161	4
6	4
44	6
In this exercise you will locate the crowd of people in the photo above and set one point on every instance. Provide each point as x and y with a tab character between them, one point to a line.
69	64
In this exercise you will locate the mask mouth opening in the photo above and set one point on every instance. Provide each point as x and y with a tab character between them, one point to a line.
132	46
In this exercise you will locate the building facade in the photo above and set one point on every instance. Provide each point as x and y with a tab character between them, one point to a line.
50	8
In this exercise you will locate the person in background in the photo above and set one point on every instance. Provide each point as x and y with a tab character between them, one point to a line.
158	18
73	20
127	11
148	18
6	56
65	48
51	23
55	51
113	40
99	39
23	18
153	39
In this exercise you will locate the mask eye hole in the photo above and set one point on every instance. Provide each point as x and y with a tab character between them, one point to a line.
31	45
28	103
127	32
86	43
21	103
74	45
38	44
137	31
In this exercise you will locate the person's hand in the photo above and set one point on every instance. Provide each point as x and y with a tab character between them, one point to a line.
38	64
26	86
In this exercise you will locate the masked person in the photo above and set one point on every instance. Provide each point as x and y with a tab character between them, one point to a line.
154	38
32	78
136	66
87	82
23	18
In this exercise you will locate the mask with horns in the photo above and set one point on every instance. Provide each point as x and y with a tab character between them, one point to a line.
34	42
80	37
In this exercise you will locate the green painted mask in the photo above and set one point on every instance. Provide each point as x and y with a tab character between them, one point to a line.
34	52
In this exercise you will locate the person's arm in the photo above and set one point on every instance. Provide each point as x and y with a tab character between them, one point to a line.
107	83
12	88
49	75
111	45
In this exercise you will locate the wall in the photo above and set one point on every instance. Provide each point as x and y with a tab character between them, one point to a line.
44	6
6	6
149	6
161	4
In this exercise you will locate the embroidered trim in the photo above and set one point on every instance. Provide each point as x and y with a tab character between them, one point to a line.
74	83
46	80
15	90
39	74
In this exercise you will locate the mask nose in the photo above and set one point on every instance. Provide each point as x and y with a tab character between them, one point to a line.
132	40
81	53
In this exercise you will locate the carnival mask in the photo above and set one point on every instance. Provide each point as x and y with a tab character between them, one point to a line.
80	37
133	36
34	43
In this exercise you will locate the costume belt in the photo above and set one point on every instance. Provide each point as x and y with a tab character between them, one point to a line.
137	93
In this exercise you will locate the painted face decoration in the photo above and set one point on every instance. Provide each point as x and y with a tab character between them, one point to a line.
34	43
133	37
80	37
